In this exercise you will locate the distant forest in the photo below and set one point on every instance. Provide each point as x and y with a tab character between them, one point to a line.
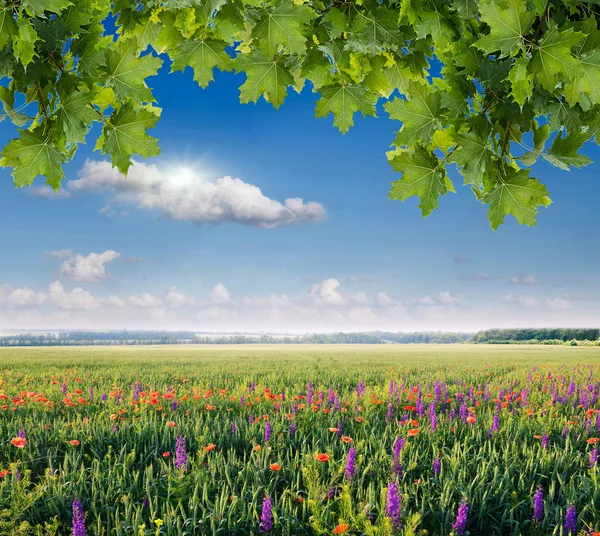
76	338
559	336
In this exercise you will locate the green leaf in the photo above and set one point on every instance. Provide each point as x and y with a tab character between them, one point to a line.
540	135
423	176
76	115
124	134
438	26
34	154
472	156
584	88
465	8
372	31
8	26
517	194
343	102
520	81
125	72
264	77
420	115
24	42
7	97
202	56
337	21
36	8
563	153
282	27
552	60
509	21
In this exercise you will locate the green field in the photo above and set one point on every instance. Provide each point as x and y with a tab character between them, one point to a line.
474	410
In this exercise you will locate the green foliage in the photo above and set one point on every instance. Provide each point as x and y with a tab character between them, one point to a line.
472	81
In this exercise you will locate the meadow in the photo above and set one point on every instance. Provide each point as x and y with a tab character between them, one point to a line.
247	440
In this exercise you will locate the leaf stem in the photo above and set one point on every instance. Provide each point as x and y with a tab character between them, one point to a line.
506	139
41	99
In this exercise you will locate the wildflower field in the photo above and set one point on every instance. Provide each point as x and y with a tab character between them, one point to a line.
437	440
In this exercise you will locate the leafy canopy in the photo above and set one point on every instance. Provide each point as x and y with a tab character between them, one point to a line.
487	86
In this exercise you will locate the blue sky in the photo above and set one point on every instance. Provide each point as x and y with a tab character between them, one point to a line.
210	253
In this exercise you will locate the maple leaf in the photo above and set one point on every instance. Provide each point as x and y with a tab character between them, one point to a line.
520	81
584	88
373	30
540	135
473	157
420	115
264	77
423	176
76	115
552	61
517	194
281	26
124	134
36	8
343	102
24	42
509	21
202	56
8	26
125	72
563	152
34	154
437	25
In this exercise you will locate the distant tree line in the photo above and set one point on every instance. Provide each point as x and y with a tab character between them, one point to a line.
561	335
91	338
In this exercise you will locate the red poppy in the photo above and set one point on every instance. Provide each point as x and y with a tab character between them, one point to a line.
210	447
322	457
340	529
275	467
19	442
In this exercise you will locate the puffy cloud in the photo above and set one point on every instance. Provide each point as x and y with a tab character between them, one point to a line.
183	194
20	298
523	280
76	300
60	253
442	298
47	192
558	304
145	300
176	299
219	295
523	301
325	293
90	269
383	300
359	297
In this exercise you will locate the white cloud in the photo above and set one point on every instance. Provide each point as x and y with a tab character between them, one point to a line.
60	253
442	298
219	295
183	194
20	298
360	297
524	301
47	192
558	304
115	301
145	300
90	269
383	300
523	280
76	300
176	299
325	293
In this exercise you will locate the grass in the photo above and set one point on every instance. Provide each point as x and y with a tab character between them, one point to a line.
127	486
